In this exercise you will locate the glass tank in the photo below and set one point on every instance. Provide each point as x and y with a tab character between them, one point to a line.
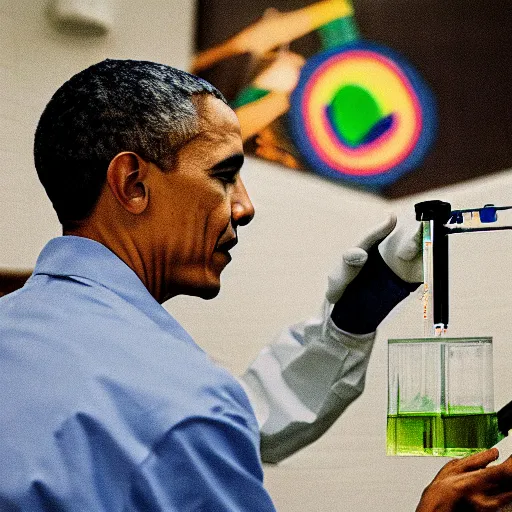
440	396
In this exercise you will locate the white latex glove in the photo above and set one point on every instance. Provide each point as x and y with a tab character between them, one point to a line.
353	260
402	249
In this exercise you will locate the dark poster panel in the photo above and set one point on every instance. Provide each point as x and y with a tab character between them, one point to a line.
453	58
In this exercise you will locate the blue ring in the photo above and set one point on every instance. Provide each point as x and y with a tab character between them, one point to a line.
377	181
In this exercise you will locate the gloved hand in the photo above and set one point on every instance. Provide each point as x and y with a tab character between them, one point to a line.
402	250
354	258
376	275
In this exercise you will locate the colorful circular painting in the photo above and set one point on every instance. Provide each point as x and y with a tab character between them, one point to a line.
360	113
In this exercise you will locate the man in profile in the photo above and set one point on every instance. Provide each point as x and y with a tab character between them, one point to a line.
107	403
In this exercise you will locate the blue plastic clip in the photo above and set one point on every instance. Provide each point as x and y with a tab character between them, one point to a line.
488	214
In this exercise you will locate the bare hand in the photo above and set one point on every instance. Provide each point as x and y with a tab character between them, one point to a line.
468	485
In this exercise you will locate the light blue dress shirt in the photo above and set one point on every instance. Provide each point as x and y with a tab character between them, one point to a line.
107	404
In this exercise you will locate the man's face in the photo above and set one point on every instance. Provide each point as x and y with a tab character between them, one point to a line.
199	203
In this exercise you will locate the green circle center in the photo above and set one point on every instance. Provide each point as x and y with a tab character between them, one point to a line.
353	113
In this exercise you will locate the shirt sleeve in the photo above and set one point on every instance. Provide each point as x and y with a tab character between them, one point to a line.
302	382
203	464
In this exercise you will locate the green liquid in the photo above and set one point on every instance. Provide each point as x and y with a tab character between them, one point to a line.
449	435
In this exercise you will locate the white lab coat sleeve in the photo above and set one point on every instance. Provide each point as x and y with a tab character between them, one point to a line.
303	381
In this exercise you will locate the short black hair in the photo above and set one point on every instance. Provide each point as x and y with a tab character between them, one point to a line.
110	107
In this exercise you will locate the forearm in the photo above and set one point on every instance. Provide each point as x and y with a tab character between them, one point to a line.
300	384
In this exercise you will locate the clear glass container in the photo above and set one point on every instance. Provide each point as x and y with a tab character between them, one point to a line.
440	396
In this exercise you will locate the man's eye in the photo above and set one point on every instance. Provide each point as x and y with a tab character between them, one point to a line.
228	177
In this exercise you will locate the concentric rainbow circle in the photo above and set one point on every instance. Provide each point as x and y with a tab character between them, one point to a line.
399	142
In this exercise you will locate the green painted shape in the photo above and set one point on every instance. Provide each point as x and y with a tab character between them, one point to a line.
337	32
353	112
248	95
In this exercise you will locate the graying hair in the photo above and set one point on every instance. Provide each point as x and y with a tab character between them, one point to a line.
112	106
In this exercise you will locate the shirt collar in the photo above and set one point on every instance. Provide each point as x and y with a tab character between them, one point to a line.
74	256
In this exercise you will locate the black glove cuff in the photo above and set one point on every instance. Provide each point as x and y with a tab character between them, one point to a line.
371	296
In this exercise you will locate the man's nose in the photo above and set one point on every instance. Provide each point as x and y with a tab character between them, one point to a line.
242	209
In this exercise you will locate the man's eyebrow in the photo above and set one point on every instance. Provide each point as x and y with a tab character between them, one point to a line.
233	161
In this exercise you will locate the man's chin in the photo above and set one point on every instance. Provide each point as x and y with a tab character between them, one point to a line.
208	293
202	293
205	285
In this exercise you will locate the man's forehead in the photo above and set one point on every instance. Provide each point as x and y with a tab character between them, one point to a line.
216	118
218	135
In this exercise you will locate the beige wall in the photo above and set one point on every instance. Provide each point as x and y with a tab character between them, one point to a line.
279	269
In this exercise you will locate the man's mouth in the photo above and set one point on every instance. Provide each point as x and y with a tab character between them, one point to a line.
227	245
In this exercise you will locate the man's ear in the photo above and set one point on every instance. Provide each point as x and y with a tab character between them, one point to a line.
127	180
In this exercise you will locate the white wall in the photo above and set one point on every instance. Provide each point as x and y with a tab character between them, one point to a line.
34	61
279	269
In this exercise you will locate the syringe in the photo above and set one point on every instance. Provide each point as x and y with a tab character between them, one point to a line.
434	215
